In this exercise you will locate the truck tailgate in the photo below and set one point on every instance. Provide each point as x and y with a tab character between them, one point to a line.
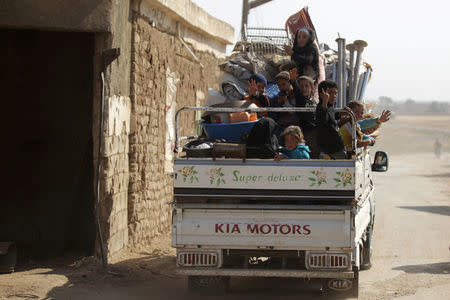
261	228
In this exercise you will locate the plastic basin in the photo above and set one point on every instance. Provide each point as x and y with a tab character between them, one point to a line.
231	132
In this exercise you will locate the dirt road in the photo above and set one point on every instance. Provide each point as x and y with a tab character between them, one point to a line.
411	245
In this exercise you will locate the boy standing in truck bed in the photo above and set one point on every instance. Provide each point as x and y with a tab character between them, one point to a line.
329	141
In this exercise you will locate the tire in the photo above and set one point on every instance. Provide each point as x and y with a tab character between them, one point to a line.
353	291
366	259
212	285
366	256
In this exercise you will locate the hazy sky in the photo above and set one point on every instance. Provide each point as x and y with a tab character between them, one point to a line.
409	41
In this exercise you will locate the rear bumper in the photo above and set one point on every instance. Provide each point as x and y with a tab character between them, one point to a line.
264	273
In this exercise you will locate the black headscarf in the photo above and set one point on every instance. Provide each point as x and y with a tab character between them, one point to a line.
307	55
262	141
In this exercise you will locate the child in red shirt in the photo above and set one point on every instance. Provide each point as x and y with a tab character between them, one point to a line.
256	88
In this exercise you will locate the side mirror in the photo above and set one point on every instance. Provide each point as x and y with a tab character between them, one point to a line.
381	162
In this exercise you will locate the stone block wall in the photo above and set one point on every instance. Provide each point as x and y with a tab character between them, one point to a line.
115	165
150	187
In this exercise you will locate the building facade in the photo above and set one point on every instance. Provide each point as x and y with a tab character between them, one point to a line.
89	74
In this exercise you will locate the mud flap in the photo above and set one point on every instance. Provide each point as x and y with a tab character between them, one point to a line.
366	257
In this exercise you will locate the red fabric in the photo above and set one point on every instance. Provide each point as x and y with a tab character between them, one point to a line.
299	20
255	101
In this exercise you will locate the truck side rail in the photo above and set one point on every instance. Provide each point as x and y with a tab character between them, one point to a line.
256	110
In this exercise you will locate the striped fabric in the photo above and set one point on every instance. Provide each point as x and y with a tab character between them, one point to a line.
297	21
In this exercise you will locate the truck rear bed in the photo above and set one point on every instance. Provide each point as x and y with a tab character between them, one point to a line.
296	217
262	229
262	174
264	181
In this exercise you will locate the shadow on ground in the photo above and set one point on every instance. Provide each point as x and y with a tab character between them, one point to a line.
153	277
146	277
441	210
436	268
441	175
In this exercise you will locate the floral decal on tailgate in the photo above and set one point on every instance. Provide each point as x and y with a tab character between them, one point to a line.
320	177
216	176
344	178
189	174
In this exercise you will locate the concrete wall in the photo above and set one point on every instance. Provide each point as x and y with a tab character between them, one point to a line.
71	15
111	22
195	18
135	187
201	30
114	161
115	175
156	50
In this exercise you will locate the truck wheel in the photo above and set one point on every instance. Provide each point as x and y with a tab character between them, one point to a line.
366	257
342	287
208	284
354	292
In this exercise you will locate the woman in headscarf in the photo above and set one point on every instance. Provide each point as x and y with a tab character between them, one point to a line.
305	53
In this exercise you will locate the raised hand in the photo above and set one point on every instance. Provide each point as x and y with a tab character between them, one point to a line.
288	49
252	88
293	74
385	116
325	96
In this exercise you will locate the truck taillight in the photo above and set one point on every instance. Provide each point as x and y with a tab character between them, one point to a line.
198	259
316	260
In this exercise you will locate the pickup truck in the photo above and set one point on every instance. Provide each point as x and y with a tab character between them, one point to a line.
308	219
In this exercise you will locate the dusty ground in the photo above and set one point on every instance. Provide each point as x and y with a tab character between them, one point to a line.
411	241
414	134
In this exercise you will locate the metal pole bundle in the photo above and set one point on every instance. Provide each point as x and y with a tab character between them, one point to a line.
364	81
359	47
351	48
341	65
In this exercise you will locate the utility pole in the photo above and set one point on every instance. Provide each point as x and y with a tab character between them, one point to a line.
246	6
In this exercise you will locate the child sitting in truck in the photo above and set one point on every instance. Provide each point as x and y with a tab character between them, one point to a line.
304	91
371	121
295	145
295	92
256	89
329	141
362	140
371	130
304	98
286	98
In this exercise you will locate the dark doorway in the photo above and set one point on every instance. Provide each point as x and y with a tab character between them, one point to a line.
46	82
